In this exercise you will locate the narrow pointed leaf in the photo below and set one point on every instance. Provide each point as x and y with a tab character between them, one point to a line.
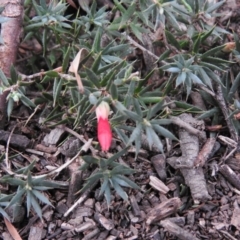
195	78
14	75
172	40
29	202
209	113
4	78
212	51
155	109
66	60
235	87
135	134
215	6
137	107
164	132
119	190
27	102
134	116
107	194
104	185
181	78
92	77
96	63
41	197
116	156
130	182
36	206
17	198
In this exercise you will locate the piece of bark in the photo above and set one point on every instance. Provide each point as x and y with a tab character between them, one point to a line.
18	141
92	234
7	236
205	152
53	137
10	33
197	100
111	237
85	226
75	182
233	163
223	106
177	231
235	220
106	223
135	206
180	221
159	163
230	175
163	210
180	121
158	184
149	60
103	235
35	233
189	144
70	147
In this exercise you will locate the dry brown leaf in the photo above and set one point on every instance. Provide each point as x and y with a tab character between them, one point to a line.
230	46
12	230
74	69
72	3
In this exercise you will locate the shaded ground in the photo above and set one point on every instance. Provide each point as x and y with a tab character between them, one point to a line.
164	209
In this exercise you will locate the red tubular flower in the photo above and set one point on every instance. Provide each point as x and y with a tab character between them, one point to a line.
104	129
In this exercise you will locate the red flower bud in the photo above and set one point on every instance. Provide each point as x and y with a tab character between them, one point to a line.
104	129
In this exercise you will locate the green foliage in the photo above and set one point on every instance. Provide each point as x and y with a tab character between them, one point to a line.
4	201
16	91
111	174
192	58
29	188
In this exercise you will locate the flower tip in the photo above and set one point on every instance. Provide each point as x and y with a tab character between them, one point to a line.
102	110
104	134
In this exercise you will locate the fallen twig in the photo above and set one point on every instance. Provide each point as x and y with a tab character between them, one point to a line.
222	104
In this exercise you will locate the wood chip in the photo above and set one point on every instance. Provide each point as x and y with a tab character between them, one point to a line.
53	137
106	223
159	163
158	184
163	210
16	140
85	226
135	206
35	233
235	220
177	231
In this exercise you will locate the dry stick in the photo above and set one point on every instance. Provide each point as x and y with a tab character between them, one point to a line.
194	177
58	170
228	235
163	210
35	110
230	175
188	127
8	165
177	231
219	97
84	148
205	152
